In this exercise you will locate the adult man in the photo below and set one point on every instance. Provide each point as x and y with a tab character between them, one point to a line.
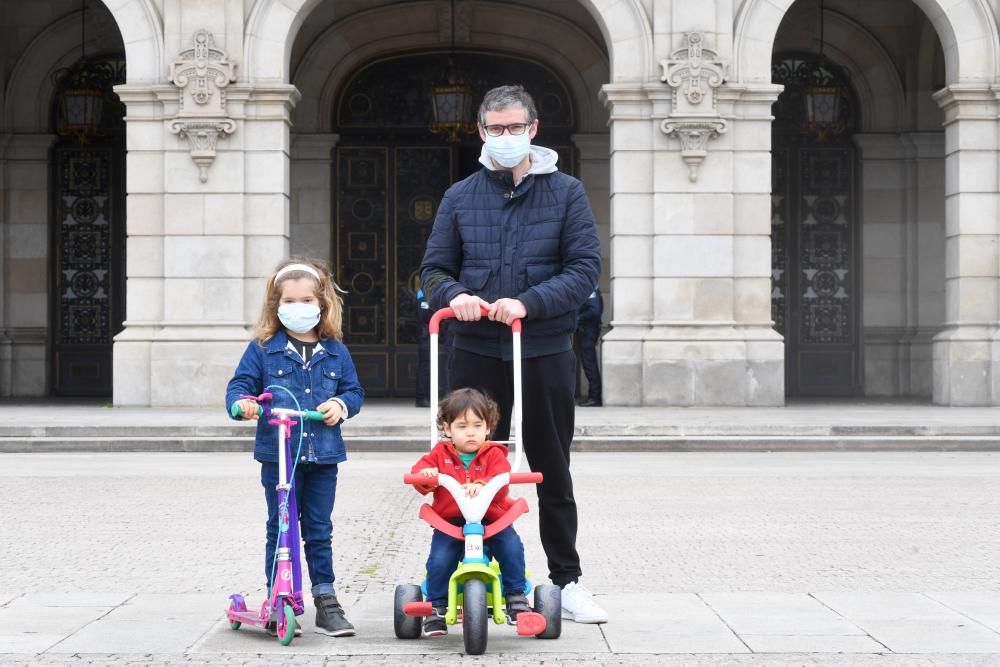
518	238
423	388
588	333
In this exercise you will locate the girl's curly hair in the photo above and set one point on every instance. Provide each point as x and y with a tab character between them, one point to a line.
331	306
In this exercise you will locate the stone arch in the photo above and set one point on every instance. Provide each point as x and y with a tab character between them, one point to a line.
273	25
967	29
141	27
319	85
29	93
875	79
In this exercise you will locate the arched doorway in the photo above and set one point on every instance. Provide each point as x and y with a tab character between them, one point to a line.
88	227
815	301
390	173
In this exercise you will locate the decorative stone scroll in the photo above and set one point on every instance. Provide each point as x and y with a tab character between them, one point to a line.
202	74
694	73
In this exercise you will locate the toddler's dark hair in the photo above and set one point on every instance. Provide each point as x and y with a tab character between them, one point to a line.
460	401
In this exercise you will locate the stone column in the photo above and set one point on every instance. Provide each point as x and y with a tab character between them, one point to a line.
630	242
884	241
712	341
925	257
311	216
198	249
24	264
966	352
593	151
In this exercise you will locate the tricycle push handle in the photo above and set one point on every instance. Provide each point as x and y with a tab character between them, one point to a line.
515	332
448	313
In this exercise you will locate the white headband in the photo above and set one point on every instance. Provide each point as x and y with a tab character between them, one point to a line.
297	267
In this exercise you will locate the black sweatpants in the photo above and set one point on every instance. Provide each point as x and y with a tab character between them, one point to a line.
548	413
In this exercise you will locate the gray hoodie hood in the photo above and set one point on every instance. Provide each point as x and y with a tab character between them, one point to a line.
543	160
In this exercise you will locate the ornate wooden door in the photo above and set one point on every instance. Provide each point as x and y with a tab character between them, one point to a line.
388	197
814	231
88	241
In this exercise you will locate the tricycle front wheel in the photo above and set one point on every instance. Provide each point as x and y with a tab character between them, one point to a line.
475	617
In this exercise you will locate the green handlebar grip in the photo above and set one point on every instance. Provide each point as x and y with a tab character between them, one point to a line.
314	415
235	411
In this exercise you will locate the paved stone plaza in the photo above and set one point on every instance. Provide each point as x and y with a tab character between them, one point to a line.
700	558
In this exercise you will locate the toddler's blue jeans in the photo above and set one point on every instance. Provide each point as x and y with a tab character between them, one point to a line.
446	552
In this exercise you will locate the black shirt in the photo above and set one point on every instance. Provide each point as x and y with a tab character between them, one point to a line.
304	349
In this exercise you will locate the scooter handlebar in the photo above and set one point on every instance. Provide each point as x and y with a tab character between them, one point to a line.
448	313
308	415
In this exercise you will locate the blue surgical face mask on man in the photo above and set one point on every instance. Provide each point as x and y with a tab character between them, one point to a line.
299	317
508	150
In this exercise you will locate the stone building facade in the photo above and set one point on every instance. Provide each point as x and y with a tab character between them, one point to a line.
753	252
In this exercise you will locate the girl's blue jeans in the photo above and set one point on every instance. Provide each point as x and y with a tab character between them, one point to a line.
315	488
446	551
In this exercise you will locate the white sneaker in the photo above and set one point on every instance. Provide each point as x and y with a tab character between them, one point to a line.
578	605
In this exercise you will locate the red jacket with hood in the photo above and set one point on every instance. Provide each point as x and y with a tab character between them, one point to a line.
490	461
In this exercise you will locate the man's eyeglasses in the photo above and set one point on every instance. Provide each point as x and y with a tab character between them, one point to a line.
514	128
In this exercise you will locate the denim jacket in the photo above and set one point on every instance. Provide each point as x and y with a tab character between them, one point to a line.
329	374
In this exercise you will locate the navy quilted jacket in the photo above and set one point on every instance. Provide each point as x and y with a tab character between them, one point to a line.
536	243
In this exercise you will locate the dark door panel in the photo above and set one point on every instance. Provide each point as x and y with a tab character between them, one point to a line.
815	300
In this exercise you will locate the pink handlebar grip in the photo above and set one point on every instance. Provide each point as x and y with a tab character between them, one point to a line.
415	478
448	313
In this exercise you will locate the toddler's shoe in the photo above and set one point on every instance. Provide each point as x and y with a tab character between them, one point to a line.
330	617
434	625
516	603
578	605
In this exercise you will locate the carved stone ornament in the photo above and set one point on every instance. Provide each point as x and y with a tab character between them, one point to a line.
694	136
202	74
694	73
202	136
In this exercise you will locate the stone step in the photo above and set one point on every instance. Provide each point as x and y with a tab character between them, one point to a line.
117	442
606	430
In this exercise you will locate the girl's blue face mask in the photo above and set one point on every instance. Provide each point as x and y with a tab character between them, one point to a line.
298	317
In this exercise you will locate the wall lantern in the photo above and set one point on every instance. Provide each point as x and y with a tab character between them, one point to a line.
452	101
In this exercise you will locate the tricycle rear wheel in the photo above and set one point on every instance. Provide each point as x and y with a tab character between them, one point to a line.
406	627
548	603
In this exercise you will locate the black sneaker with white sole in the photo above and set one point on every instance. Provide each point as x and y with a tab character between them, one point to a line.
516	603
434	625
330	617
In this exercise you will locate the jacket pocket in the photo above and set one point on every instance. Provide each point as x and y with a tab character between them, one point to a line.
539	273
474	277
329	384
281	375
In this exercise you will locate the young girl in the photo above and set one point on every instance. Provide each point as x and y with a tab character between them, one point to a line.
297	347
468	417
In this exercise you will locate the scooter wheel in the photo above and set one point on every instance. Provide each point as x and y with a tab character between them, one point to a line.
406	627
234	605
475	617
286	625
548	603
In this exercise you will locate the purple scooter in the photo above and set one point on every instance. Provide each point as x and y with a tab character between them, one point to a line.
285	601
